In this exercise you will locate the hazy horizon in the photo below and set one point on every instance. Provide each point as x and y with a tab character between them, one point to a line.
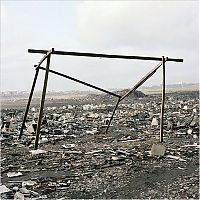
110	89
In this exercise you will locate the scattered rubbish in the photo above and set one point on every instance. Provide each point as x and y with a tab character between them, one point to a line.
131	140
93	152
57	132
19	196
195	136
194	121
43	140
14	174
38	151
158	150
180	133
189	131
170	125
185	107
3	189
118	158
32	128
192	145
33	109
35	194
15	189
154	122
68	146
24	190
73	152
43	196
74	164
180	168
175	157
28	183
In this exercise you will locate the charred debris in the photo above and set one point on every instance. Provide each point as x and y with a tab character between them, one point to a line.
76	159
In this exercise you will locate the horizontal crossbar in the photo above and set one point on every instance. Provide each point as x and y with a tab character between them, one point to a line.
103	55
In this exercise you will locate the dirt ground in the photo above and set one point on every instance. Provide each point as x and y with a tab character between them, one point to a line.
92	172
116	165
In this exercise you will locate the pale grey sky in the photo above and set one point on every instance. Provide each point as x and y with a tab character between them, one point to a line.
149	28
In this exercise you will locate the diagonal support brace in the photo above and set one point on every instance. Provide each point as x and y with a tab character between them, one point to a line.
139	83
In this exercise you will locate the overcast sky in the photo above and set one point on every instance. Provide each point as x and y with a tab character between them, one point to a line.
148	28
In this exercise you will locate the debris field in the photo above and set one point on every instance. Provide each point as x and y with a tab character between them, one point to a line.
76	159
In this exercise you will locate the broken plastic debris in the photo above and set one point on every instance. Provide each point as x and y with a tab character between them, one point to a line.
131	140
30	129
195	136
73	152
180	168
14	174
43	140
189	131
154	122
185	107
3	189
28	183
93	152
118	158
180	133
19	196
68	146
175	157
38	151
192	145
33	109
34	193
195	110
24	190
15	189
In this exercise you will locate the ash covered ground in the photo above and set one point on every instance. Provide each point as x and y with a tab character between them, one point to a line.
77	160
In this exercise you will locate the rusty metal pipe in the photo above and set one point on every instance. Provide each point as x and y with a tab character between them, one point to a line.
42	101
103	55
31	92
141	81
29	102
113	114
163	100
82	82
43	59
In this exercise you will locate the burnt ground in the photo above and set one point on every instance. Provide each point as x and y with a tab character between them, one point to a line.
117	165
102	166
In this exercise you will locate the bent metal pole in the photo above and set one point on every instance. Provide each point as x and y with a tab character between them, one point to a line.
141	81
31	92
42	100
81	82
163	99
111	118
29	102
